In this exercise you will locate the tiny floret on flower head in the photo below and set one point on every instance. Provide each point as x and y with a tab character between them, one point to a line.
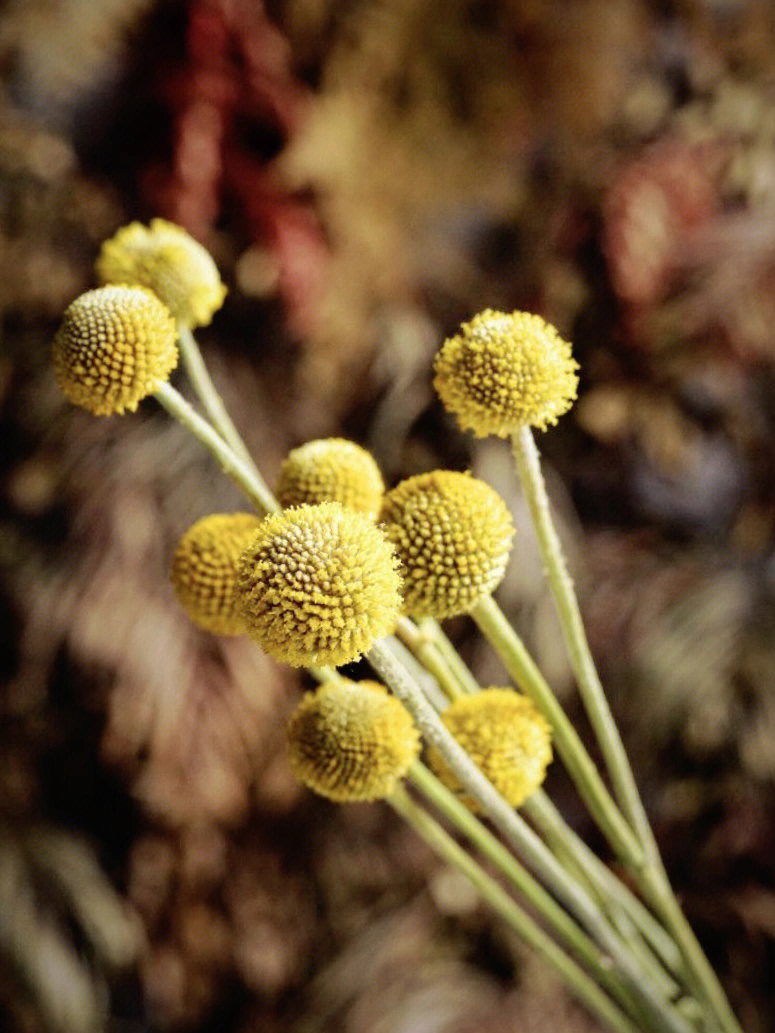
452	534
318	585
164	258
506	735
204	570
504	371
114	346
352	741
331	470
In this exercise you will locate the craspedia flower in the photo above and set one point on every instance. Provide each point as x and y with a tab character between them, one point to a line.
331	470
164	258
352	741
114	346
204	570
504	371
506	735
318	585
452	534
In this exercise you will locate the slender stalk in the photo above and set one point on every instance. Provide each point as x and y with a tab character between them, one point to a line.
703	980
652	877
520	665
606	888
559	835
433	630
587	991
432	660
232	465
556	918
387	661
207	394
633	917
591	691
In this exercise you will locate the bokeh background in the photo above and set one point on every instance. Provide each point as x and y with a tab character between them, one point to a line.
368	173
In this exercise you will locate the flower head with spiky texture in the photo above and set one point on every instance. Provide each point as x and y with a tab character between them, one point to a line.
508	738
352	741
114	346
164	258
504	371
204	570
331	470
318	585
452	534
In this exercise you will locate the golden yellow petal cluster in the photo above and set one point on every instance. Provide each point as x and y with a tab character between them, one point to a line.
318	585
204	570
331	470
506	735
164	258
352	741
114	346
504	371
452	533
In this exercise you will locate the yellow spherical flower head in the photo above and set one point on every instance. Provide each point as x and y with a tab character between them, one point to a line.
504	371
331	470
164	258
204	570
352	741
507	737
114	346
318	585
452	534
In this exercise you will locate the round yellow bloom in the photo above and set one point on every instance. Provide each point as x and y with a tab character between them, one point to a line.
504	371
331	470
452	534
506	735
352	741
164	258
318	585
114	346
204	570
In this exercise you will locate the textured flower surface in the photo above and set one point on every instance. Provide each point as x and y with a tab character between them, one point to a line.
204	570
318	585
507	737
331	470
352	741
452	534
114	346
504	371
164	258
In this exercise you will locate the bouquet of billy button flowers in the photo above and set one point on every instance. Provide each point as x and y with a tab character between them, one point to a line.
333	568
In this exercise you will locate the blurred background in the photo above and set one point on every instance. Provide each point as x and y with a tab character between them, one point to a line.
367	174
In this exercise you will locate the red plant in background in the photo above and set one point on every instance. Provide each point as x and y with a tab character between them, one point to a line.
237	88
654	207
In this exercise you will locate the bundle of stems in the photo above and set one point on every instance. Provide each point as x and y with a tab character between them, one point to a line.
624	949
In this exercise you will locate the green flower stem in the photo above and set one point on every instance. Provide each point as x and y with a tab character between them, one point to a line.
652	877
566	930
433	630
558	835
416	640
566	845
232	465
386	660
608	891
529	469
445	846
701	977
207	394
520	665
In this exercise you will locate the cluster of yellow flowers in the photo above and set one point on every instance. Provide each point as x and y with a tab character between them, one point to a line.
319	582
